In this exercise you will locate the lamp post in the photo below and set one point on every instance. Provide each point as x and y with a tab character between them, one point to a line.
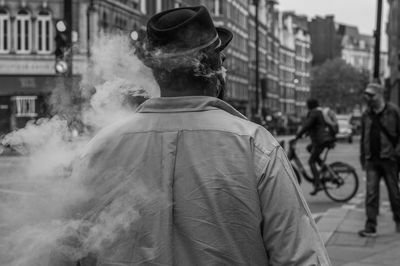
257	107
68	20
259	98
91	11
377	35
295	82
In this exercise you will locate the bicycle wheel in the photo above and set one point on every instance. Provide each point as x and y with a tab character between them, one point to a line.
344	186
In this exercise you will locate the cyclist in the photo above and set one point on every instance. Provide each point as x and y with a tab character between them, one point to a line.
321	138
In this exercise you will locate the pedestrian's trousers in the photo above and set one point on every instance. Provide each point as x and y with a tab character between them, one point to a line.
315	159
376	169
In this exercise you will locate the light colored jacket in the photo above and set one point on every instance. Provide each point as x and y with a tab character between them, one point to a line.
205	186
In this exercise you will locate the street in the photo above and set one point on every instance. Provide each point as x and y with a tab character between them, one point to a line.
337	240
319	204
343	151
346	152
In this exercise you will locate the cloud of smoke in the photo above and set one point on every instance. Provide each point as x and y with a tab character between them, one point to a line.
113	59
36	201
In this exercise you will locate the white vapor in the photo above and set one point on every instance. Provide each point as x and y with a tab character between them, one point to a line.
36	199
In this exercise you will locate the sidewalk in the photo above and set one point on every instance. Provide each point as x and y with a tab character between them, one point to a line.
339	227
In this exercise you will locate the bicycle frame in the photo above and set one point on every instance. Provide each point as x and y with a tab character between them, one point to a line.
330	174
299	167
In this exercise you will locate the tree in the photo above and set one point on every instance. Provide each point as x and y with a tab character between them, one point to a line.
338	85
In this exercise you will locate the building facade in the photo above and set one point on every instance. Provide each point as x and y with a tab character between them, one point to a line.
325	43
337	40
27	32
272	102
287	66
27	60
357	49
303	59
393	33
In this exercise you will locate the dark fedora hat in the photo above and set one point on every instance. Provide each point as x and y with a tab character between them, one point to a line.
185	30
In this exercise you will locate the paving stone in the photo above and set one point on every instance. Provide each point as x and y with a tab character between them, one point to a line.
329	225
347	254
390	256
360	264
338	262
356	214
326	236
350	226
347	239
387	238
346	248
336	212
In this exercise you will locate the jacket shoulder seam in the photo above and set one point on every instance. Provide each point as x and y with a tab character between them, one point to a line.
188	130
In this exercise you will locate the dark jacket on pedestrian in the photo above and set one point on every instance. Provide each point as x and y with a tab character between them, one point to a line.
317	128
390	119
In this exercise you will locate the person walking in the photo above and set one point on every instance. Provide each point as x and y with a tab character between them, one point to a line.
228	195
379	149
321	138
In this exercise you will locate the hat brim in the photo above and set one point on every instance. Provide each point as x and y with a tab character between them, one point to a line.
225	36
374	88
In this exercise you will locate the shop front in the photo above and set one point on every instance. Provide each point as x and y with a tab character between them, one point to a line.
24	98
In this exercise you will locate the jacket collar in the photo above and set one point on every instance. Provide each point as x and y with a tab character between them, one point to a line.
372	112
186	104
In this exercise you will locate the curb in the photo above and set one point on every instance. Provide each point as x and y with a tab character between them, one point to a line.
330	222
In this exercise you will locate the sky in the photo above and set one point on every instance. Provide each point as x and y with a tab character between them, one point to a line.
360	13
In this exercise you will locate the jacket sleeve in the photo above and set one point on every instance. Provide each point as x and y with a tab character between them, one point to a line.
362	151
397	148
289	232
308	124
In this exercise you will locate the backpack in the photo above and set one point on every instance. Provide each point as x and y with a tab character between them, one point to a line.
330	120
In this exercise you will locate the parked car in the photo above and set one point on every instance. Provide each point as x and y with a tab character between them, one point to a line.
345	128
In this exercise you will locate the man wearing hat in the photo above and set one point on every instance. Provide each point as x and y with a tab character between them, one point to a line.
379	146
218	189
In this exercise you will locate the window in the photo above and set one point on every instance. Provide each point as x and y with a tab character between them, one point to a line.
43	33
158	6
219	7
135	5
4	31
178	3
23	29
25	106
104	22
143	6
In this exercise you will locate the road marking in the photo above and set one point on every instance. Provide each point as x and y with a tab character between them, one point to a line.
349	206
359	198
317	216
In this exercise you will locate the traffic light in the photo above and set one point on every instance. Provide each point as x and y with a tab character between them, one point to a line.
137	41
62	46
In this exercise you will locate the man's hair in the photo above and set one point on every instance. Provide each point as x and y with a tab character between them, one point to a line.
312	103
200	69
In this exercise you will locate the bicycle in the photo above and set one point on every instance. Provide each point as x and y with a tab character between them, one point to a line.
339	180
